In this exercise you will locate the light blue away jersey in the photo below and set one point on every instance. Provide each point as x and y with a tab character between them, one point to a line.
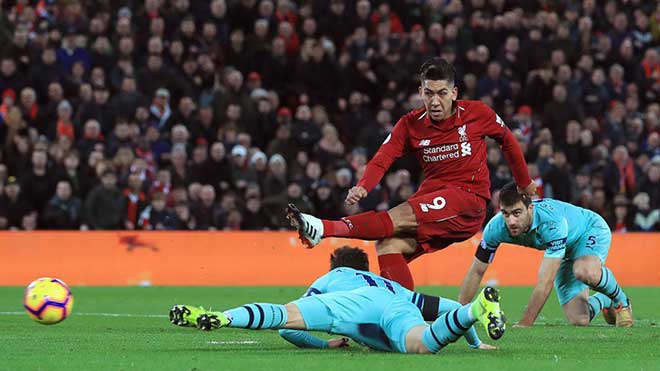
346	279
556	228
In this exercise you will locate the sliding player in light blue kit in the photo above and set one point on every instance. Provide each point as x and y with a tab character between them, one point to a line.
576	243
371	310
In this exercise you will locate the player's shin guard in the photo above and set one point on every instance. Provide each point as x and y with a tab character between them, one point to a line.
366	226
611	288
448	328
471	336
597	303
258	316
395	268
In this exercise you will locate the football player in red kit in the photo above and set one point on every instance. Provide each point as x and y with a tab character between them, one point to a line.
447	136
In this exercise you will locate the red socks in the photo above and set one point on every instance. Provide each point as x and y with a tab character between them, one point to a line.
365	226
395	268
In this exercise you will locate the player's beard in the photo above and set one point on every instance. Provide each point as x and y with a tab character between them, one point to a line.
441	112
521	227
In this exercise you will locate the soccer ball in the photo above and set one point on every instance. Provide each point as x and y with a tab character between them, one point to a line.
48	300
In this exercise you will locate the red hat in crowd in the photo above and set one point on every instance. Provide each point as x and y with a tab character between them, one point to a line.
525	110
284	111
254	76
9	93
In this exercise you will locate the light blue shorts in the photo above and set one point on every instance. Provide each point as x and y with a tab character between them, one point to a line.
596	242
371	316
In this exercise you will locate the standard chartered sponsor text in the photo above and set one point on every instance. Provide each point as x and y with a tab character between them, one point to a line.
441	152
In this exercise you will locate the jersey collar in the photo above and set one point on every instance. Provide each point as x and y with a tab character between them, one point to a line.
535	220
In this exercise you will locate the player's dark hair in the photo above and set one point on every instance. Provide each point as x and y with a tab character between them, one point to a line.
437	69
351	257
510	196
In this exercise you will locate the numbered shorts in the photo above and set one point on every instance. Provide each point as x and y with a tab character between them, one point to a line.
371	316
596	241
447	215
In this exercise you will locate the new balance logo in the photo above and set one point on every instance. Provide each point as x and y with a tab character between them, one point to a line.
466	149
424	142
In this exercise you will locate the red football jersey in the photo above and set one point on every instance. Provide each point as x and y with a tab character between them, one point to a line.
452	151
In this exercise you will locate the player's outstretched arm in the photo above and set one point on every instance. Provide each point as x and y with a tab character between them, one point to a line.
392	148
355	194
547	272
497	129
304	339
530	190
471	281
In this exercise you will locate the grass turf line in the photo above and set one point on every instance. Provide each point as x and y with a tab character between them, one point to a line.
119	328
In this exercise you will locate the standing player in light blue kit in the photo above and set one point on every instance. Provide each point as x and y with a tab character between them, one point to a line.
576	243
371	310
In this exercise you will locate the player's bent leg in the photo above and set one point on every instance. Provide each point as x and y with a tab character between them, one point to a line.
404	220
451	325
295	320
310	228
470	335
391	260
589	269
250	316
598	302
414	340
367	226
605	283
486	309
577	309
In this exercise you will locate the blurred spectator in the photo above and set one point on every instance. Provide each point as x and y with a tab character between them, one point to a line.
255	218
621	220
157	216
620	173
558	112
64	211
556	179
38	185
13	205
135	199
205	211
105	207
646	218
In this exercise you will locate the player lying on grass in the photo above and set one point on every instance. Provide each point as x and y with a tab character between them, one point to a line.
576	243
378	314
354	273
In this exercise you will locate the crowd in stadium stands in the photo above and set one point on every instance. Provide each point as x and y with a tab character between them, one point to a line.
213	115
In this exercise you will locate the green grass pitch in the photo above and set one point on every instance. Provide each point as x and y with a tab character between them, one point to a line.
127	329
